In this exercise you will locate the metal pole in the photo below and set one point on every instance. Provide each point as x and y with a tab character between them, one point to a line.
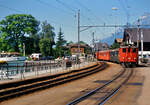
141	43
93	43
79	35
138	32
79	32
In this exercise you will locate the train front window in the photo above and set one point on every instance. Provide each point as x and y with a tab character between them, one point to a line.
124	50
134	50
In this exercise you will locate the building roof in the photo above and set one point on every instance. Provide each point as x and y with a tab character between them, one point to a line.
119	40
101	46
132	33
10	53
76	45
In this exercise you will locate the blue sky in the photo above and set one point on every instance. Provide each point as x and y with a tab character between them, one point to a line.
63	13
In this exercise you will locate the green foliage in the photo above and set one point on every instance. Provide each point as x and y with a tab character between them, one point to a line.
32	44
47	31
88	50
14	28
82	42
45	46
69	43
47	39
60	49
115	45
35	39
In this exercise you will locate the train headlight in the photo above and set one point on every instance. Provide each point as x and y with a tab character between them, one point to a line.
123	57
129	58
134	58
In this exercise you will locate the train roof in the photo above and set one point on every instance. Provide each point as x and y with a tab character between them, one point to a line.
109	50
128	46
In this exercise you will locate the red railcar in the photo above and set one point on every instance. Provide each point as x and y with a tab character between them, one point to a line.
103	55
126	55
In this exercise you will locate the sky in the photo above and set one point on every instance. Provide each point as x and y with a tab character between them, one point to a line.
64	14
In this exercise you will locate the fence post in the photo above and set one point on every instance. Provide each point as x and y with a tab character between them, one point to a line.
7	71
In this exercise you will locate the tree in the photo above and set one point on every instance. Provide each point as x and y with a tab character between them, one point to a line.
45	46
35	42
60	44
14	28
115	45
47	33
70	42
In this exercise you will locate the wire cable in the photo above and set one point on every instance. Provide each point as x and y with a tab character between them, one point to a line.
3	6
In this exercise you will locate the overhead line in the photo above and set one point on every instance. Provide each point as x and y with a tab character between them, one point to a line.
65	5
11	8
49	5
89	10
90	26
126	11
70	8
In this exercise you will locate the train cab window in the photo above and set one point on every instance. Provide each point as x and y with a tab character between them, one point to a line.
134	50
124	50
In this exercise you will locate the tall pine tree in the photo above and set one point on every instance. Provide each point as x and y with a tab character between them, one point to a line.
60	44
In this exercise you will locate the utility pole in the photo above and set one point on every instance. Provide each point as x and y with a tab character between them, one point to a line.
78	32
141	43
93	42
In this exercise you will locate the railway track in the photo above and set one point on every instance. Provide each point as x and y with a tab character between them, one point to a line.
18	88
101	94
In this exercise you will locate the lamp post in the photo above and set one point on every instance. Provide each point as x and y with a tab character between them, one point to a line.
115	9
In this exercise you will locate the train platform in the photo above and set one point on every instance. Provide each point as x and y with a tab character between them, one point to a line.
40	73
143	96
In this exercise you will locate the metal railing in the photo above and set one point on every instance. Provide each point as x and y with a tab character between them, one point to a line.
23	70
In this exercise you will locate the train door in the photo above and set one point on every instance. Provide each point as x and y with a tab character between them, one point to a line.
134	55
123	55
129	54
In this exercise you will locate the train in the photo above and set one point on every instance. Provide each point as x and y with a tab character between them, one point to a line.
125	55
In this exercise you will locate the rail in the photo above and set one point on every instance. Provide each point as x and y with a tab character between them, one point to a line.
104	97
14	89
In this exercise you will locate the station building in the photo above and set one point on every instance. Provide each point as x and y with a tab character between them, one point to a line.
131	36
83	48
